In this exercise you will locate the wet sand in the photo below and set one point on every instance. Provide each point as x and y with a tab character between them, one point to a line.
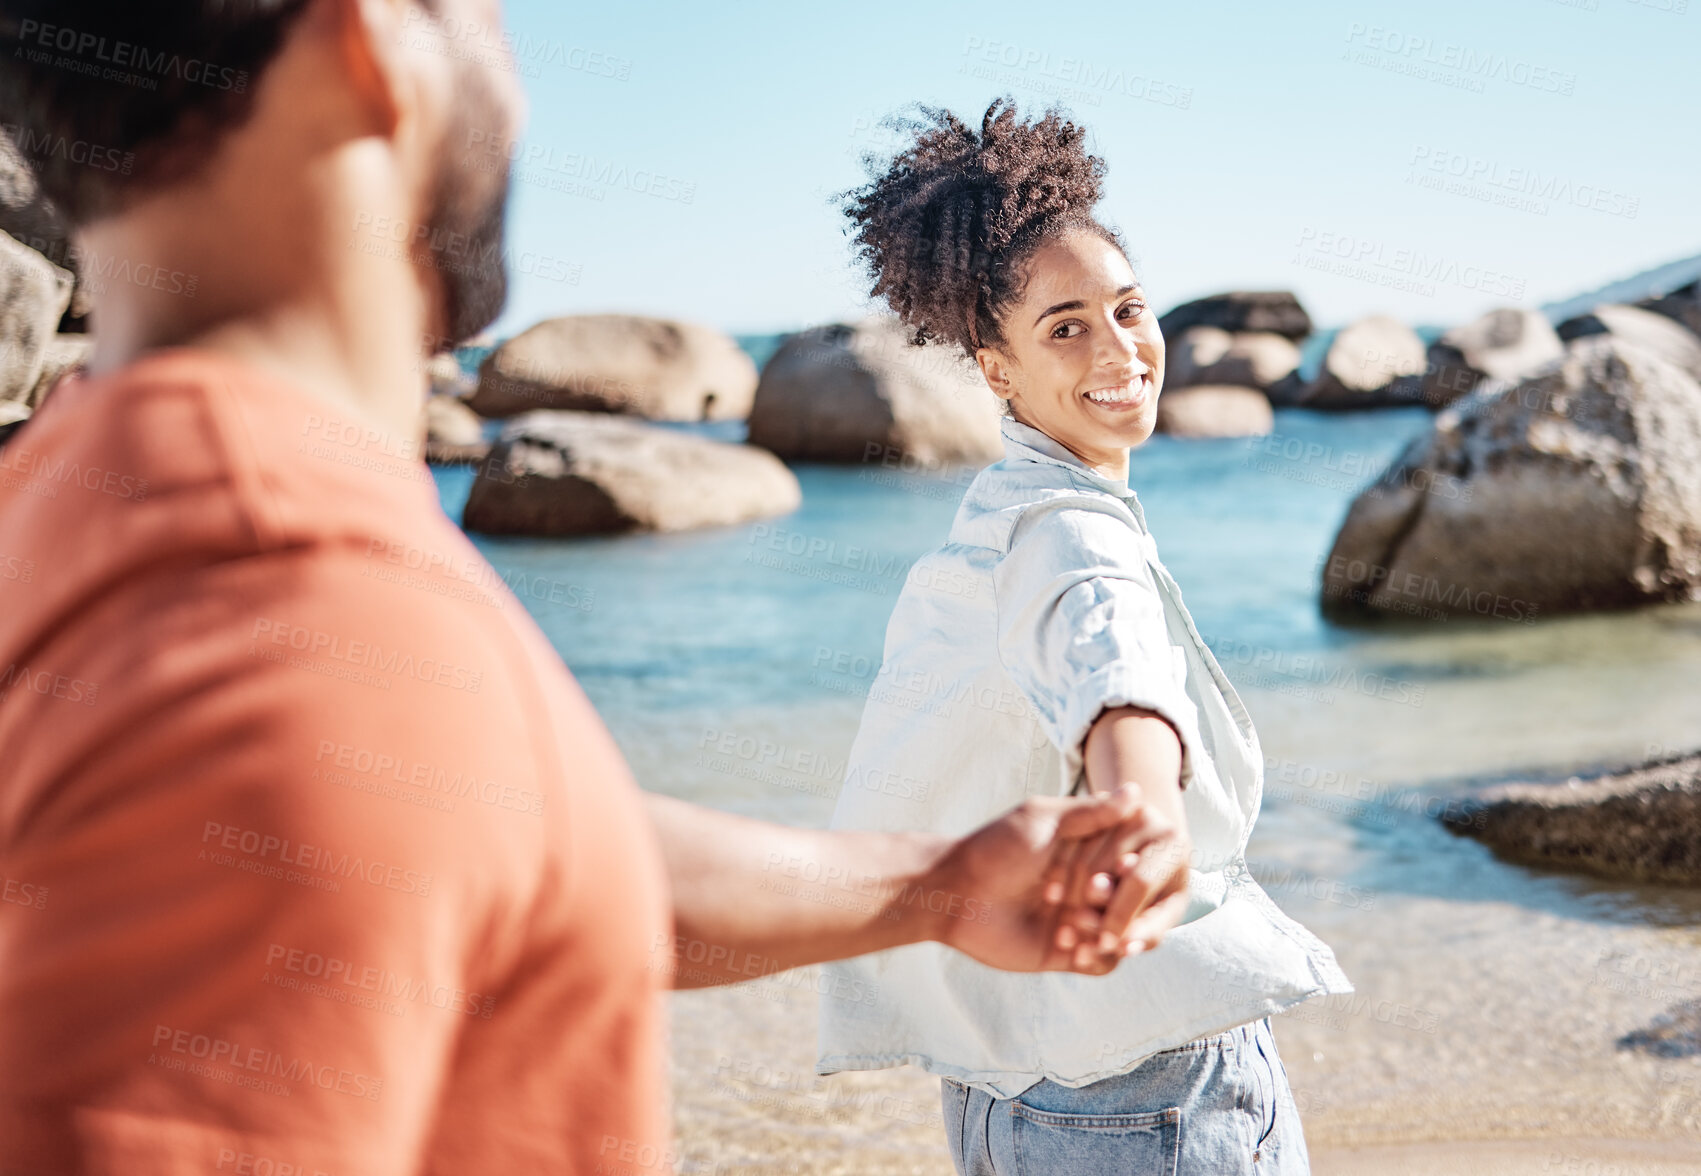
1514	1068
1552	1157
1487	1032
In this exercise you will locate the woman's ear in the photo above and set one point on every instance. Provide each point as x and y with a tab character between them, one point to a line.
995	369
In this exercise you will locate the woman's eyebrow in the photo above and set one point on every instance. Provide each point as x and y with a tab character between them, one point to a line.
1077	304
1058	309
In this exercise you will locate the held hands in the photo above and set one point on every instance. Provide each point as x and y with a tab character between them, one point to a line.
1067	883
1129	881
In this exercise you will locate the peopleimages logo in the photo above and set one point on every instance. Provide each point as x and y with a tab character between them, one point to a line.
43	474
301	964
38	146
1452	62
1446	170
368	655
46	683
98	56
267	848
574	172
1399	267
260	1060
1088	79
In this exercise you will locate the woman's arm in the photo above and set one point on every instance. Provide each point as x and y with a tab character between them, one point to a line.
1083	631
1129	744
752	898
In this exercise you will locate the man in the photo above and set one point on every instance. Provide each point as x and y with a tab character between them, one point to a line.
309	870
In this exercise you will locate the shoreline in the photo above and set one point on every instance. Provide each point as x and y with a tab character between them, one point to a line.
1549	1156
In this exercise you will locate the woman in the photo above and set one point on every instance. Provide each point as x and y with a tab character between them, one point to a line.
1047	649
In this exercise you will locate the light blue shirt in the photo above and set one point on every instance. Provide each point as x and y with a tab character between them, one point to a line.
1047	604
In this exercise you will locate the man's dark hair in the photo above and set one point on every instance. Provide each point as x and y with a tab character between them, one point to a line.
108	98
946	225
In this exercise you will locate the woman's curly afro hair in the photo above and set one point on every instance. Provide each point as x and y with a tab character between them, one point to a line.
946	225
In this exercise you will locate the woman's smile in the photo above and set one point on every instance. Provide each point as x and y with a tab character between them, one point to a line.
1124	397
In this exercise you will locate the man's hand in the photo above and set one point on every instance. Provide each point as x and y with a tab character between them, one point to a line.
751	897
1004	889
1129	881
1145	860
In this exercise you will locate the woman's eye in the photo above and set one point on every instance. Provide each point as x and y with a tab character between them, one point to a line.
1132	310
1066	330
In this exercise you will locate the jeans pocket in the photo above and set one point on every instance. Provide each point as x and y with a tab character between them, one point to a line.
1050	1143
954	1105
1271	1087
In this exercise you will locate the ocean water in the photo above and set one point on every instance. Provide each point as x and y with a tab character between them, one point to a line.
730	665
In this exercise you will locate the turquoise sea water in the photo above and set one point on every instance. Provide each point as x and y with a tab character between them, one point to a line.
772	631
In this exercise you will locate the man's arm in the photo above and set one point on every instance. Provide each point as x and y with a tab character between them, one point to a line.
752	898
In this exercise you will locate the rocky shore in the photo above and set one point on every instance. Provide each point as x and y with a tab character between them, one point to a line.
1562	471
1636	824
43	296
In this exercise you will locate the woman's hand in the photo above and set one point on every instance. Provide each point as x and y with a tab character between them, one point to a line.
1132	881
998	891
1127	884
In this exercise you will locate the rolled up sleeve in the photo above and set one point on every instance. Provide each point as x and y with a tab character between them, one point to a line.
1081	626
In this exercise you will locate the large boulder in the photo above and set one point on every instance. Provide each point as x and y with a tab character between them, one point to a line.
1682	306
1211	355
852	391
1191	352
574	473
1375	362
1504	345
30	218
454	433
1577	489
1643	328
63	355
33	296
1641	825
619	363
1276	310
1214	410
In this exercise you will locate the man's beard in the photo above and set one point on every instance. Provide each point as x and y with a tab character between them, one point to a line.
466	238
475	274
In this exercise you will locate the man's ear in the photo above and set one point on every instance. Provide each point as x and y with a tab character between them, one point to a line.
369	37
995	369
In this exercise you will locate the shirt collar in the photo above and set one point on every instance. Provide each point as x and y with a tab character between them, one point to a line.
1026	443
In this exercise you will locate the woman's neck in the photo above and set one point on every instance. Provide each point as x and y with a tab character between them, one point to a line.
1110	463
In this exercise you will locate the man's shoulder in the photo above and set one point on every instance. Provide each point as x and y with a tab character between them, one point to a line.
245	457
337	602
106	444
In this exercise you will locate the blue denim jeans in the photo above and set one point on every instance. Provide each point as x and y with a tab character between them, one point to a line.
1218	1106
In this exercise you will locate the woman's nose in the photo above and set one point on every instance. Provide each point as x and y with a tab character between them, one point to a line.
1122	349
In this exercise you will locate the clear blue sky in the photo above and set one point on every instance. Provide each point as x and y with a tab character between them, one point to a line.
1251	144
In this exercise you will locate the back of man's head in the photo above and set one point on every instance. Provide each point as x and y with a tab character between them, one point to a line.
107	99
118	103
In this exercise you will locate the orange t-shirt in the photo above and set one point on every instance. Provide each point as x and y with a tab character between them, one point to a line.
313	857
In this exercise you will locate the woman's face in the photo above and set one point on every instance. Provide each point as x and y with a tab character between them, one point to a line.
1082	359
